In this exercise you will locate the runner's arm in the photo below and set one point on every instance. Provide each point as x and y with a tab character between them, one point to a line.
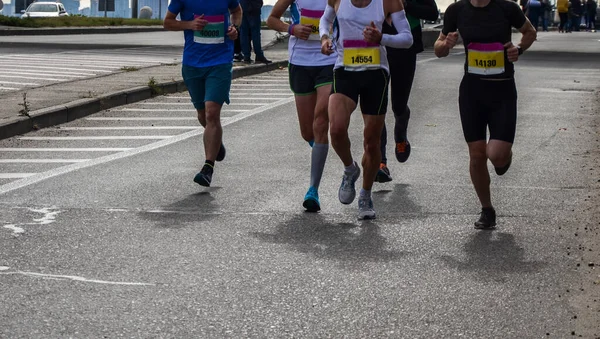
327	20
528	37
422	9
170	23
274	20
404	38
448	36
236	15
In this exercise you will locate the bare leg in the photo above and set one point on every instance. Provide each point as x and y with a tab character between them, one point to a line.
305	106
499	152
340	109
210	119
479	171
372	148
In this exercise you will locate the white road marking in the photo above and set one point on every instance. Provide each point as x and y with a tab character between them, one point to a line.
49	217
58	74
233	85
15	229
124	128
50	71
40	161
62	68
15	175
11	186
102	137
4	268
34	78
75	278
190	104
142	118
116	149
8	88
19	83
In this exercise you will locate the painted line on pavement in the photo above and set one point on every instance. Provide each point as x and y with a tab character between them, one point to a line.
74	278
62	68
106	149
126	128
143	118
19	83
40	161
102	137
15	175
36	78
146	148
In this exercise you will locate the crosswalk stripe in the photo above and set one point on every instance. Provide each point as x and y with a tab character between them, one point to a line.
125	128
34	78
122	137
29	66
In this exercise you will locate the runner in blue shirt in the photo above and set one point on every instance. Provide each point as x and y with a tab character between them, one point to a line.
210	27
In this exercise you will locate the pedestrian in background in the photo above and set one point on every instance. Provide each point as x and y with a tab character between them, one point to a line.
562	8
250	31
592	9
534	11
546	14
210	27
577	8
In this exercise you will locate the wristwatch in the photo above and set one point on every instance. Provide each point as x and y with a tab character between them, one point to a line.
520	50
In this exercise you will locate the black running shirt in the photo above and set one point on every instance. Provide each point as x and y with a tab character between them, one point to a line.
484	31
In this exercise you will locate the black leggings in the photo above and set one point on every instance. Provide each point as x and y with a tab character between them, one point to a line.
564	17
402	72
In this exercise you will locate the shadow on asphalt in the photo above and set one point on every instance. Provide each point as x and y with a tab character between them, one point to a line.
396	200
194	208
493	255
352	245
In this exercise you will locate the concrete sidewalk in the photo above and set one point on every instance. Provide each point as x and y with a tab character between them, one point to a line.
34	108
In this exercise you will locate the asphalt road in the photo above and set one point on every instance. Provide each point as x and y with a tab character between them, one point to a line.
122	243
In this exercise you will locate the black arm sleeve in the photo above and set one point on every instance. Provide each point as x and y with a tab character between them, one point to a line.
450	18
422	9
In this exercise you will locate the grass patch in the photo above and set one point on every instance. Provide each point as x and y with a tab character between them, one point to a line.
75	21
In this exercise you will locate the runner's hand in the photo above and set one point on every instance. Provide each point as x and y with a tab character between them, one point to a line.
302	31
326	46
512	52
232	33
198	23
451	39
372	34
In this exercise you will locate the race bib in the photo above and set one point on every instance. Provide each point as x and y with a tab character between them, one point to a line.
213	32
361	54
485	59
311	18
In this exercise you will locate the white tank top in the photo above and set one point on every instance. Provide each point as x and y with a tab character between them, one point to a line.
308	52
354	54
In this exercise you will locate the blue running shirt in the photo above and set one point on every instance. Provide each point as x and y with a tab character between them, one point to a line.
211	46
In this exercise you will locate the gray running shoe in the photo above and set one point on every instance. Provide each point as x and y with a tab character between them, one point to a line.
365	208
347	191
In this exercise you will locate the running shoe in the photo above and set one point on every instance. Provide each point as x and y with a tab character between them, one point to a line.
221	154
347	191
204	177
365	208
383	175
311	200
402	150
237	57
487	219
503	169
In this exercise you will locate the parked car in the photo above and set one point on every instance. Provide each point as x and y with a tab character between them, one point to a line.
44	10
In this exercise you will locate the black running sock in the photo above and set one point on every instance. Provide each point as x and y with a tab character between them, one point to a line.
208	166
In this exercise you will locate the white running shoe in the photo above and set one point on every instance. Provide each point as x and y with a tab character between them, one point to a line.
365	208
347	191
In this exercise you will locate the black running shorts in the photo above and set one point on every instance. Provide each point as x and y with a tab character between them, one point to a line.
304	80
371	86
488	104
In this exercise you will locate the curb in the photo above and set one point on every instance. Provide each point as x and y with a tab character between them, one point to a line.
59	114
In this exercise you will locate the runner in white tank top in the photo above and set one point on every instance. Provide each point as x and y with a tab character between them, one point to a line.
361	73
310	76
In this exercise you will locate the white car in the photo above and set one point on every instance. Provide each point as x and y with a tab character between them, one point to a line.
44	10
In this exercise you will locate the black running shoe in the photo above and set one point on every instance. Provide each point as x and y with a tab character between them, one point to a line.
402	150
222	153
487	219
503	169
204	177
383	175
